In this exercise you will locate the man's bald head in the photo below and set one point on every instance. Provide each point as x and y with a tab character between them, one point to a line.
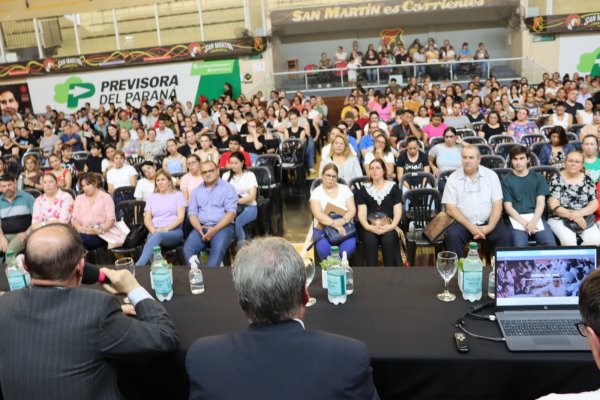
53	251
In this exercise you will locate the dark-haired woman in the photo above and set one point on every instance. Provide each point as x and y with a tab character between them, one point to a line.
93	212
379	212
246	186
555	152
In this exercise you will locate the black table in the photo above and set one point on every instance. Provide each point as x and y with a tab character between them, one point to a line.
409	334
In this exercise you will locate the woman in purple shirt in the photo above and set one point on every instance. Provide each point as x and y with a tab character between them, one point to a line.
163	216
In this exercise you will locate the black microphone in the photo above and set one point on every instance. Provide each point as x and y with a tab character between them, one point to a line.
92	274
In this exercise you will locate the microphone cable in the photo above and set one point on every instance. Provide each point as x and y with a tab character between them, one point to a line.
472	313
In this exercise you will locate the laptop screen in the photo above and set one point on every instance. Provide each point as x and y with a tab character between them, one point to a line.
539	276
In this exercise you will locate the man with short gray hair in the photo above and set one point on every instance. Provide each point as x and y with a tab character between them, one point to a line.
267	360
473	197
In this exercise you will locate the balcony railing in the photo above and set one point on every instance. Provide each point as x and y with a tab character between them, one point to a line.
314	79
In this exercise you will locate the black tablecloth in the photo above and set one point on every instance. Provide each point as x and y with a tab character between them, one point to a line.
409	334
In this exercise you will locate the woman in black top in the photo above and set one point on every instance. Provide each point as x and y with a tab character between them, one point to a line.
8	147
112	135
94	161
492	126
253	143
379	212
221	142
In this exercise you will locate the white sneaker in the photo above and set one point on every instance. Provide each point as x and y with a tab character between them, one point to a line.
319	86
329	85
312	171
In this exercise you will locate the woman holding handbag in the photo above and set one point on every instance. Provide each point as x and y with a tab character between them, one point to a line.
332	196
573	202
379	212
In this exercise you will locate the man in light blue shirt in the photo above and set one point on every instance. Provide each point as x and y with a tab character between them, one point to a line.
212	210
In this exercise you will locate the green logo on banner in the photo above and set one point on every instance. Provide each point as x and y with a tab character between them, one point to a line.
596	67
73	90
204	68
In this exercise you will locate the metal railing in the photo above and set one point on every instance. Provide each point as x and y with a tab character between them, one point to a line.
462	72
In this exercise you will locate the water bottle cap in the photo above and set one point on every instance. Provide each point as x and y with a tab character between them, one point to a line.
473	245
10	253
156	249
335	249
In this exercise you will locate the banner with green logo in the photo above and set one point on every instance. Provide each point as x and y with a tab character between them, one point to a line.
187	81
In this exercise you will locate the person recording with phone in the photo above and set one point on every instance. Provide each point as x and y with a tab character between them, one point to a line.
73	335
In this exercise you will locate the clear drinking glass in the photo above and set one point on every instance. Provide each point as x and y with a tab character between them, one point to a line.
128	264
125	263
309	264
447	262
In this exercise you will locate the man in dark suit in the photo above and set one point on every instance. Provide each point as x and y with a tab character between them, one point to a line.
277	358
60	341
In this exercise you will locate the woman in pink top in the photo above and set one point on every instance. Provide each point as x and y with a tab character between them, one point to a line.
383	107
52	206
436	127
93	213
193	178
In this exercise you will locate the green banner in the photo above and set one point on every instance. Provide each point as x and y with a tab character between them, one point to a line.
205	68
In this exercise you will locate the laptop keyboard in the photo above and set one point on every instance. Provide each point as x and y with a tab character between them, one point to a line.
540	327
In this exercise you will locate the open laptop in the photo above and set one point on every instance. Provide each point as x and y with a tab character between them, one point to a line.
537	296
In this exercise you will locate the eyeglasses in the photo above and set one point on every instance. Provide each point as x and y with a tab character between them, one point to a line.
581	328
449	136
329	176
210	171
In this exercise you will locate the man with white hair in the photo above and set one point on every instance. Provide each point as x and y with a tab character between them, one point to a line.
267	359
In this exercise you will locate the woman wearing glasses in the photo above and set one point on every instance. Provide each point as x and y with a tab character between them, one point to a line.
340	196
253	143
382	150
446	156
573	202
379	212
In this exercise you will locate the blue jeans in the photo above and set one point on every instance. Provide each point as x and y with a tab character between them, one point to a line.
324	247
253	157
166	239
543	238
371	74
218	246
248	215
309	151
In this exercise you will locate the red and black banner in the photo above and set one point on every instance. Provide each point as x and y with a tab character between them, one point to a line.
564	23
143	56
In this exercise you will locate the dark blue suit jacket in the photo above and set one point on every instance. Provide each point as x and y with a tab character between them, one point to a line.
282	361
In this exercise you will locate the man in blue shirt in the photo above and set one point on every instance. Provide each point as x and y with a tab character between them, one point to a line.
212	211
69	137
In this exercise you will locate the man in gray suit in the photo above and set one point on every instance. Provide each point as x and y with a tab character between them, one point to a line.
59	341
276	357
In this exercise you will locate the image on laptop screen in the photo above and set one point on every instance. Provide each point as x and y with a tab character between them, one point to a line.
542	276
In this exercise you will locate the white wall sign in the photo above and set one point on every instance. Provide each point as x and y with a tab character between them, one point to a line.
70	92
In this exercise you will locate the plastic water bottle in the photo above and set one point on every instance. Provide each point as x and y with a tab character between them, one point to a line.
203	258
161	275
349	274
196	278
336	278
16	275
472	276
492	281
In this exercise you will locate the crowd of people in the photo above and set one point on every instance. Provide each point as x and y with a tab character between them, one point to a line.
440	62
61	175
178	151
